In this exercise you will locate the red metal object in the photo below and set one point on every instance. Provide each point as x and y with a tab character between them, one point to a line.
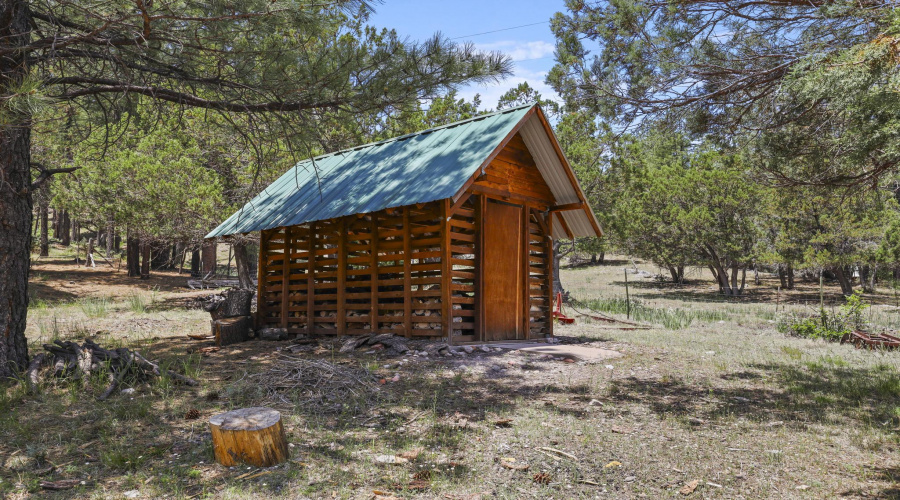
872	340
558	314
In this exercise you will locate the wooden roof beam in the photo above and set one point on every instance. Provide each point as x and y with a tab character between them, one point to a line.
565	226
567	207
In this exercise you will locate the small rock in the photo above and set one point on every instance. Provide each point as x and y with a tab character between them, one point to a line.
390	459
696	421
629	479
272	334
609	367
132	494
802	487
129	390
469	349
484	348
595	402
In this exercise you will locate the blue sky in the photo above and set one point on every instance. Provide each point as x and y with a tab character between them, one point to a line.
531	47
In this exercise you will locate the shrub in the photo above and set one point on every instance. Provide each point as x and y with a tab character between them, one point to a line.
829	326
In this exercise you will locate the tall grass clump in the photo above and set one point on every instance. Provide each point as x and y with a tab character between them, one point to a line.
138	303
672	318
94	307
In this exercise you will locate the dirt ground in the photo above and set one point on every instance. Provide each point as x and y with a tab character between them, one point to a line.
724	407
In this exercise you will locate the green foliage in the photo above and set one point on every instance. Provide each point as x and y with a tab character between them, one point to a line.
828	326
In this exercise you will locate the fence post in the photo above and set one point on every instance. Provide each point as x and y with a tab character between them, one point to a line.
627	296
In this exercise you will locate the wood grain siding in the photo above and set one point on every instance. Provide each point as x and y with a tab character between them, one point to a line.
513	174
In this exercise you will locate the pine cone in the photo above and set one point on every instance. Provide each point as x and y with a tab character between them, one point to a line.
542	478
192	414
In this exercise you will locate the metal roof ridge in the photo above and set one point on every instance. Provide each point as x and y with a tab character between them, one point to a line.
420	132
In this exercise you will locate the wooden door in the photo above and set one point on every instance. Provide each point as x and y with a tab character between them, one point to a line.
502	277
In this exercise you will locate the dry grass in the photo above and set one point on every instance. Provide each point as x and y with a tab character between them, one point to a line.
725	399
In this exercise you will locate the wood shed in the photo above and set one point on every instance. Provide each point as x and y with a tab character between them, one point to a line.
444	233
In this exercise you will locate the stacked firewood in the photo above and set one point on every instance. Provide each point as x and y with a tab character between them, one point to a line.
69	359
230	313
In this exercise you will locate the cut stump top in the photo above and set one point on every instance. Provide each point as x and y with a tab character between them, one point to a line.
246	419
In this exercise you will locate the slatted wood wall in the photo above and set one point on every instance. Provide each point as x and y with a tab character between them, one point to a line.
540	274
380	272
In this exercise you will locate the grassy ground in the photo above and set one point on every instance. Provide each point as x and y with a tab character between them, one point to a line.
712	393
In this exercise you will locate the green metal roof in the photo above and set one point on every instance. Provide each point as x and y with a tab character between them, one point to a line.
416	168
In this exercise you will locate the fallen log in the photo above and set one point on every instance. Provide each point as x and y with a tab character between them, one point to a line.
32	374
69	359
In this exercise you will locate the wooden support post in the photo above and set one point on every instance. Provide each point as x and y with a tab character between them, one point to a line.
407	274
446	273
342	278
373	263
285	271
480	202
550	259
310	281
260	275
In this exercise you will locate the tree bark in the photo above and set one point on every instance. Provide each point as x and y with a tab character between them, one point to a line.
242	262
16	203
110	238
133	255
195	263
64	235
843	279
45	229
145	260
790	276
557	258
782	276
76	231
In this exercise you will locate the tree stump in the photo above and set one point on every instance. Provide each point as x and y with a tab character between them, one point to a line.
251	435
236	303
231	330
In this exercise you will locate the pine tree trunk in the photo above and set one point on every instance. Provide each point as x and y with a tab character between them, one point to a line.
843	279
145	260
110	238
133	255
64	235
245	281
16	203
782	276
790	276
557	257
195	264
45	229
76	231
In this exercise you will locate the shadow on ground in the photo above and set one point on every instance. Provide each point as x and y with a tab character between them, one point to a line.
796	394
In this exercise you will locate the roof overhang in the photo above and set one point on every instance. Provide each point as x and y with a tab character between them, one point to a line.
575	217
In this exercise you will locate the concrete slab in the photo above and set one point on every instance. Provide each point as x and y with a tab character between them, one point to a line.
573	351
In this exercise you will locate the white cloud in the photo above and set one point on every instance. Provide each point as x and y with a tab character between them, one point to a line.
519	50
